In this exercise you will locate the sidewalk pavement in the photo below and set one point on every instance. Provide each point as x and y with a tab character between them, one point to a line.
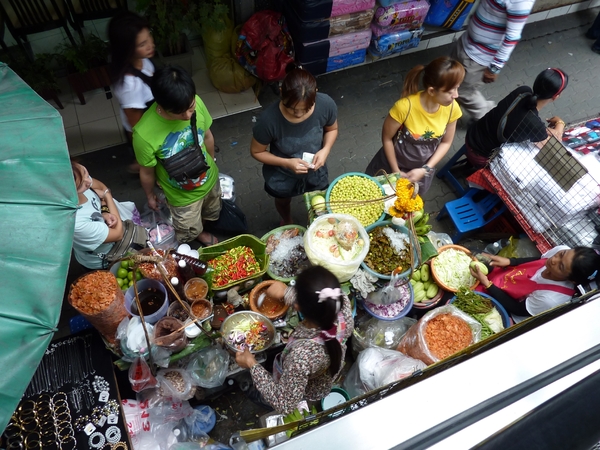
364	95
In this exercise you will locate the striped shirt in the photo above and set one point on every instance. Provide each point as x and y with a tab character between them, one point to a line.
495	29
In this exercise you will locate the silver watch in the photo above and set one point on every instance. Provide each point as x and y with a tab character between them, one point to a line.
427	169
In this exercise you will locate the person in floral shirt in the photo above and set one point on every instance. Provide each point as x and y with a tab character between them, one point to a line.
315	352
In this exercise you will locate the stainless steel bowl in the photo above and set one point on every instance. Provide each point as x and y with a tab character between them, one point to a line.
232	322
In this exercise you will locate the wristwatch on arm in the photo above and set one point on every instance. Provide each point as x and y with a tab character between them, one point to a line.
428	169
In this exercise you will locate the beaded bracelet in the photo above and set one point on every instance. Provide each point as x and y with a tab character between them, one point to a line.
104	209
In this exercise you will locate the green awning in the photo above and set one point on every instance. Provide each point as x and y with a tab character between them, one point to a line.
37	215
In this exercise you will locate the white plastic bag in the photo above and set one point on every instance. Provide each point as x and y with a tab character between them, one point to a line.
377	367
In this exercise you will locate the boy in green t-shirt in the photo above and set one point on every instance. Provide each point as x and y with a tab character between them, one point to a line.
163	131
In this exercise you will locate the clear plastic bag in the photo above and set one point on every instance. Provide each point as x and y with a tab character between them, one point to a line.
414	344
160	226
176	384
346	233
227	187
140	375
379	333
377	367
208	367
439	239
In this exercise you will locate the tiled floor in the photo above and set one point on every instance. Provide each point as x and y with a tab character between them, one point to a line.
97	124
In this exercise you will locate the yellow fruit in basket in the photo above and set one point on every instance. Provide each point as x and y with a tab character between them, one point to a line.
318	203
353	188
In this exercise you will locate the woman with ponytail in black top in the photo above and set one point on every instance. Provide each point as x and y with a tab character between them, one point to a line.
516	118
315	351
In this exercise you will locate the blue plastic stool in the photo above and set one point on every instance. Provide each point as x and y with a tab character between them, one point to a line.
446	174
78	323
470	215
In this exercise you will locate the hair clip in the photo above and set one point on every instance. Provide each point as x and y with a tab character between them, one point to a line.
592	276
327	293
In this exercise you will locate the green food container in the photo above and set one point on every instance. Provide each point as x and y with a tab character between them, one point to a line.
247	240
275	231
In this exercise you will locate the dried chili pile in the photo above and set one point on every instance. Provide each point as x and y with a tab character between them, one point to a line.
447	334
94	292
234	265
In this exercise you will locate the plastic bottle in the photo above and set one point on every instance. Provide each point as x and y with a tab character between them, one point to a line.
495	247
198	266
180	431
185	271
178	287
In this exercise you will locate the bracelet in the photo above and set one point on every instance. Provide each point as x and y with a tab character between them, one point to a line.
104	209
105	192
489	285
560	121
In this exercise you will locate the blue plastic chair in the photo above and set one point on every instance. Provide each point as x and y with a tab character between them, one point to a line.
470	215
446	174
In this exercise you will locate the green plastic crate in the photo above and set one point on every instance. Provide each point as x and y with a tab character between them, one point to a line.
247	240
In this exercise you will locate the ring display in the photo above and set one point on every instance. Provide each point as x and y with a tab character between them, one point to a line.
71	403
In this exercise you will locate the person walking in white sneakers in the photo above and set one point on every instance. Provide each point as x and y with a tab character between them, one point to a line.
492	34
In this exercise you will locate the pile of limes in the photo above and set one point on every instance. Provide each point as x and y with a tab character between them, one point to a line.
126	276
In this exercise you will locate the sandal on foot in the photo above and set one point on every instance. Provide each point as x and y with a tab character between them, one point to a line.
212	241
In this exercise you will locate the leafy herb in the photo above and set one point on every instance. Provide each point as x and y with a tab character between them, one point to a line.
472	303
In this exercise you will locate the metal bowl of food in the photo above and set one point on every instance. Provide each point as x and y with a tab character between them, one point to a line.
248	329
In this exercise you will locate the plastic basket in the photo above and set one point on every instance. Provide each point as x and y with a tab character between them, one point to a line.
503	313
312	214
357	174
248	240
435	275
388	223
277	230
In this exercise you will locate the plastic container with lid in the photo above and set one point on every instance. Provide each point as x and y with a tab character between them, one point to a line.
318	248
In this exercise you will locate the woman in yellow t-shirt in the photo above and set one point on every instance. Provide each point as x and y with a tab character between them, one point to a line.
420	127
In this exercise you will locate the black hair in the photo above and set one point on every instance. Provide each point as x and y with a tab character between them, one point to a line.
173	89
123	30
323	314
585	266
547	84
297	86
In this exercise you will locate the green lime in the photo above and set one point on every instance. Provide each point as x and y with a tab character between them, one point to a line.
129	275
122	273
138	275
120	281
131	283
125	264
